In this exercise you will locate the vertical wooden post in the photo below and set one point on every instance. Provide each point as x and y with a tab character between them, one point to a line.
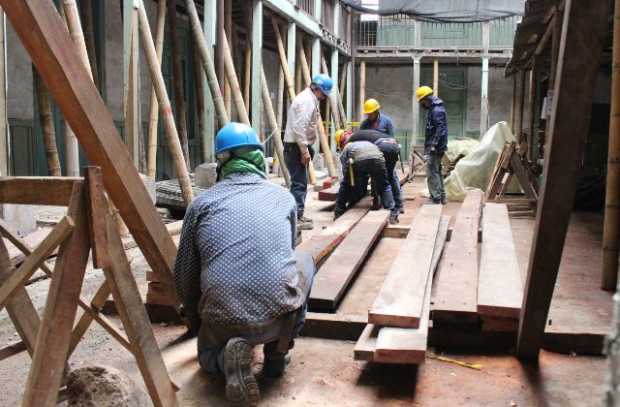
579	57
47	124
484	97
247	59
89	38
291	52
4	152
612	194
436	77
132	100
164	106
415	113
362	89
227	34
257	63
513	105
233	83
160	31
204	41
178	82
519	128
350	87
532	108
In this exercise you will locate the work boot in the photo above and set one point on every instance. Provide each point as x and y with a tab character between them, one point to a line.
241	386
376	203
401	210
393	218
304	223
274	367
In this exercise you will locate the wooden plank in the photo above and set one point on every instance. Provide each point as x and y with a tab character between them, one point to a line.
323	243
97	211
398	345
396	231
457	279
579	57
366	344
44	35
521	174
135	320
37	190
500	288
329	194
48	361
334	276
36	259
401	298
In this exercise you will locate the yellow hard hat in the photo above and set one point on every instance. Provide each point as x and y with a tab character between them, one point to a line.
371	106
422	92
338	136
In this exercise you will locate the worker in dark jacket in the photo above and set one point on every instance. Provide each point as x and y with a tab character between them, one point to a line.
362	160
435	141
376	119
391	152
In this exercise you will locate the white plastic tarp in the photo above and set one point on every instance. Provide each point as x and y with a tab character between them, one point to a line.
474	170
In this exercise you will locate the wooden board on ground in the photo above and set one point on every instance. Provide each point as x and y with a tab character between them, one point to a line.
340	268
323	243
455	297
329	194
500	287
401	298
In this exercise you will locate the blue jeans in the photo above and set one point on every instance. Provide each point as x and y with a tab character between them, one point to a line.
212	338
299	174
394	183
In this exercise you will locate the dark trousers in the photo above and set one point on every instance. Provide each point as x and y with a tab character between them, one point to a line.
372	169
299	174
212	338
394	183
434	178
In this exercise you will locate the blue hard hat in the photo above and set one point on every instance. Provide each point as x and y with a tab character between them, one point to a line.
236	135
324	82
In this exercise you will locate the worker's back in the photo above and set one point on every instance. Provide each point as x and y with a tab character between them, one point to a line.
243	236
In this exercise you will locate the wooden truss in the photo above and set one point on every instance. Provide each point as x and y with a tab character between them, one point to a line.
88	225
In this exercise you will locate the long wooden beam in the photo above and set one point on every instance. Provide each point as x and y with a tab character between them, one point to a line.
43	34
37	190
583	33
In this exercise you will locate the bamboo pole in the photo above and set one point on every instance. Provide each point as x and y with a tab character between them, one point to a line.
436	77
362	89
4	153
226	53
132	102
333	99
72	151
164	106
280	102
513	105
298	74
177	81
612	196
283	59
235	88
47	125
247	59
219	51
329	159
160	31
200	95
273	123
343	79
207	63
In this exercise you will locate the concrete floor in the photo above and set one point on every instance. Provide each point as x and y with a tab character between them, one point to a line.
323	372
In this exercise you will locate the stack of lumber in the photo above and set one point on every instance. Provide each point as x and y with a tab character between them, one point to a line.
397	331
169	194
331	193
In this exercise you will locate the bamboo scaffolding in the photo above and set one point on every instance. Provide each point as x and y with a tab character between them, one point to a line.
343	81
362	90
47	125
200	95
329	159
235	88
207	63
273	123
247	59
164	106
612	196
177	81
160	31
89	37
225	53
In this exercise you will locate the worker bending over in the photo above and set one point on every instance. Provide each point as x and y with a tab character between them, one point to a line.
377	120
391	152
435	141
362	160
299	136
236	272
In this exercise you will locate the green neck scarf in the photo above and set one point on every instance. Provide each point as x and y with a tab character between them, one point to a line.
245	162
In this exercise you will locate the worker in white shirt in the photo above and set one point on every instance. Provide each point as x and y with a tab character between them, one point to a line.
299	136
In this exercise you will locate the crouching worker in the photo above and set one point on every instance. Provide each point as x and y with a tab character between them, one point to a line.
362	160
391	152
236	273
